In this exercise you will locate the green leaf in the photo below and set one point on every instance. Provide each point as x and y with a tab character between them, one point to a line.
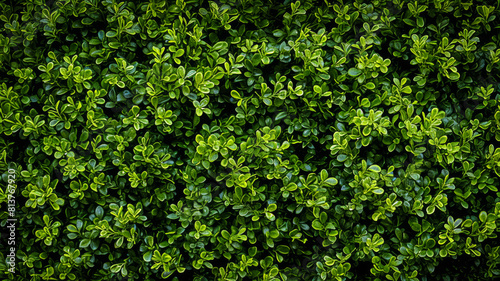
316	224
116	45
482	216
147	256
420	22
111	34
341	157
225	234
278	33
283	249
213	156
72	228
272	207
354	72
198	78
95	41
238	192
375	168
99	212
220	46
323	174
252	251
84	243
280	116
87	21
235	94
256	58
179	53
115	268
332	181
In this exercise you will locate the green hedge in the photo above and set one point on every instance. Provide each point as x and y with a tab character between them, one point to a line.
250	140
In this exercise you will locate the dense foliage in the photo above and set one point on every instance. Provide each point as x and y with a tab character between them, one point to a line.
250	139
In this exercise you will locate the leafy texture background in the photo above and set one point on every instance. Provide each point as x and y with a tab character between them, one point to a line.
251	140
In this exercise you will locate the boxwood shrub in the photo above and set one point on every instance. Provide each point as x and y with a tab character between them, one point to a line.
249	140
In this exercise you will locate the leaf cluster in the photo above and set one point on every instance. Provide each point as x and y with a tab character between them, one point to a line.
251	140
